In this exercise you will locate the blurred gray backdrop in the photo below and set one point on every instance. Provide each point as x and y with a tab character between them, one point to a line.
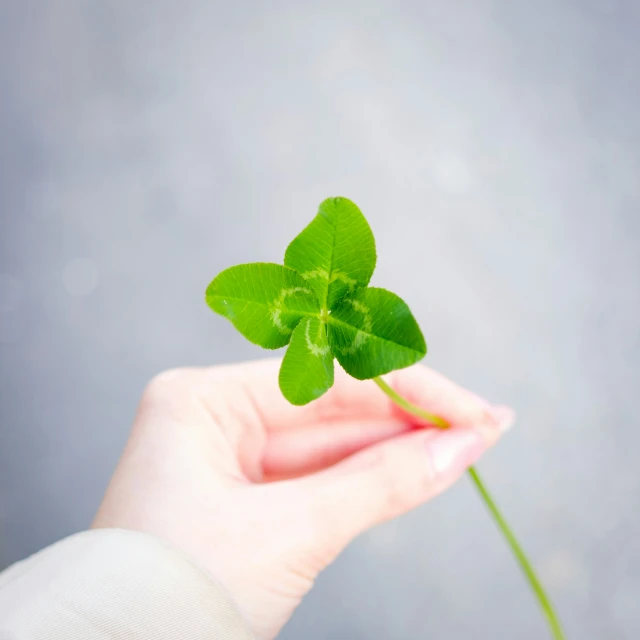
495	148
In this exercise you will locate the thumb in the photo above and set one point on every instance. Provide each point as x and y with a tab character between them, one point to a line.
386	480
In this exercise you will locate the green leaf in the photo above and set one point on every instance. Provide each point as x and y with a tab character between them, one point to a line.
307	368
335	253
373	332
264	301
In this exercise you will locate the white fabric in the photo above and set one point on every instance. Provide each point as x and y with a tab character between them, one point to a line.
110	584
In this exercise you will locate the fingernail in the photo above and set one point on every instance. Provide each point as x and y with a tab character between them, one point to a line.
455	450
498	416
503	417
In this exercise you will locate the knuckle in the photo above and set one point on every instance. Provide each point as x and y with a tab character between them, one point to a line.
167	385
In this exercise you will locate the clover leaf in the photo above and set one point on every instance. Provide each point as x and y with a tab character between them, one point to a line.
335	253
320	305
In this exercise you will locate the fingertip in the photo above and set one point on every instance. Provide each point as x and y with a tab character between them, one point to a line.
439	395
504	417
458	406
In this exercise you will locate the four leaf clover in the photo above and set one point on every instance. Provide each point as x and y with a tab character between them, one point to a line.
320	304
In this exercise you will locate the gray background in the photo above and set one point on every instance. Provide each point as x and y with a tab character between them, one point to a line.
494	147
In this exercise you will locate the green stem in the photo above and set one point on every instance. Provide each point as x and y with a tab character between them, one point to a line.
518	552
409	407
521	556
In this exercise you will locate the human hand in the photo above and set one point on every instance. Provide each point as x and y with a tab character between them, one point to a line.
263	494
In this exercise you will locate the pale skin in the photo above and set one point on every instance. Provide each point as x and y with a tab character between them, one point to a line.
264	495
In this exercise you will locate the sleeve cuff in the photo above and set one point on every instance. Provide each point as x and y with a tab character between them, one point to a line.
112	584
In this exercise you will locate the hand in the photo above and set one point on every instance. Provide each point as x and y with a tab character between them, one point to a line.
263	494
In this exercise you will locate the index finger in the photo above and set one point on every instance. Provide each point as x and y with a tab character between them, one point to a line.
350	399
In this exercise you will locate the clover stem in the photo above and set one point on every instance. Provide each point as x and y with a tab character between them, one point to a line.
409	407
518	552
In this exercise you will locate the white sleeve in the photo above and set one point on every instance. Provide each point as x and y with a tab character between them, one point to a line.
111	584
